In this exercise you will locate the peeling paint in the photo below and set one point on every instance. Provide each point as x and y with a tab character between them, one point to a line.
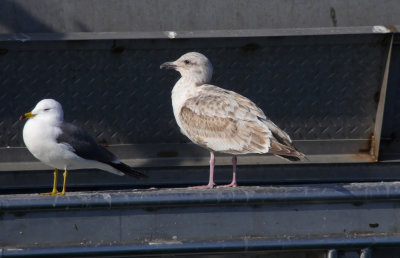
165	242
171	34
22	37
380	29
107	197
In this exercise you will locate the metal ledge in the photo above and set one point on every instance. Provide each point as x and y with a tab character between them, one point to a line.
323	193
162	155
28	181
162	221
242	246
23	37
203	161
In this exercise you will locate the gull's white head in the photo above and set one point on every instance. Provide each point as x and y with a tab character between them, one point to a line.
48	109
192	66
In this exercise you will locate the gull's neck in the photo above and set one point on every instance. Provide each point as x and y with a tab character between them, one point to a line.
195	79
184	89
184	86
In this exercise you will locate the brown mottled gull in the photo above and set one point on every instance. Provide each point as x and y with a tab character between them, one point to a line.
221	120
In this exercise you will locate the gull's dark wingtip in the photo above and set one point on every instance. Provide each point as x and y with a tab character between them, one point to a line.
127	170
290	158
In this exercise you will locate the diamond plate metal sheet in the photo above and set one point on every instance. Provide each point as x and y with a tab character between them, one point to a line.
314	88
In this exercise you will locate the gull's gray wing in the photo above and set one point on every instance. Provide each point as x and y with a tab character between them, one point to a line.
86	147
83	144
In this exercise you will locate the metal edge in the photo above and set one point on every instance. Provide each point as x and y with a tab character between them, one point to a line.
158	198
375	143
204	161
243	245
332	253
366	253
23	37
188	154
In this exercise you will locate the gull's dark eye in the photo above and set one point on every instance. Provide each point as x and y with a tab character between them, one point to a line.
186	62
46	109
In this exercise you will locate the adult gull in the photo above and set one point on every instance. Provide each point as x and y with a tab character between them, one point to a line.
65	146
221	120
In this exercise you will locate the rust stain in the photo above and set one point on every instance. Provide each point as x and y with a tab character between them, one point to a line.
392	28
373	225
332	12
373	151
104	143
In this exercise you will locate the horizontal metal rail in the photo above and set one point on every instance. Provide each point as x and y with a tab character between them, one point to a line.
242	246
24	37
323	193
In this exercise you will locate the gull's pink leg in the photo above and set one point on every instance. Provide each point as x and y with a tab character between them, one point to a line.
233	183
211	183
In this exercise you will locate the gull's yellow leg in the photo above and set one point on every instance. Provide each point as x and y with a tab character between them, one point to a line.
54	192
65	182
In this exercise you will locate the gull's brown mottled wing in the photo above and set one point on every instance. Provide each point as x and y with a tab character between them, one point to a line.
225	121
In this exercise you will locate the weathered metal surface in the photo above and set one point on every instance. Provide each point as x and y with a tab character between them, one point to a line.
188	220
64	16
